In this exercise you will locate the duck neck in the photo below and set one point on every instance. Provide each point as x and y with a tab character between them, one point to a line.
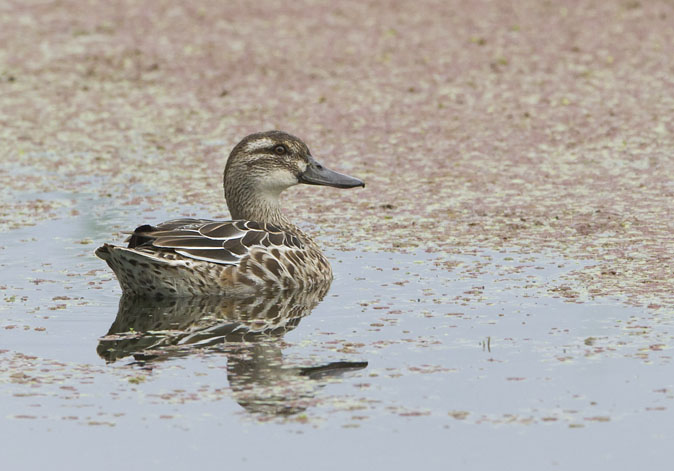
245	203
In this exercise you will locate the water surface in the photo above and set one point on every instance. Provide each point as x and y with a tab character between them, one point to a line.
487	360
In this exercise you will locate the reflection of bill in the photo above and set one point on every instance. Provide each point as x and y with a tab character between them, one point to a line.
248	330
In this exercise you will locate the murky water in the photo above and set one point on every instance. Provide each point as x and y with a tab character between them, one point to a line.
407	361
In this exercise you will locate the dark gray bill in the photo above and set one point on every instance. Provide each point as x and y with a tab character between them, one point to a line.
317	174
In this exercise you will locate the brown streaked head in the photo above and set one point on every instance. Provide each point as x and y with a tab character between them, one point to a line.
274	160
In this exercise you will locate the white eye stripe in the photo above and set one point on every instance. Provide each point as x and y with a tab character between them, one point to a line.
257	144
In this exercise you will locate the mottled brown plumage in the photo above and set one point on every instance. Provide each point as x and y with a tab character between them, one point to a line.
260	249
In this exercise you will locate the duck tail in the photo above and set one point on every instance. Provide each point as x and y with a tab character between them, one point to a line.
103	252
145	274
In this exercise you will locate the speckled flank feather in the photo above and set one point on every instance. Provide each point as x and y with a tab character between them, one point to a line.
201	257
245	258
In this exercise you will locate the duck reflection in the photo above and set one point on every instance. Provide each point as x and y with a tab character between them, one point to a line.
248	331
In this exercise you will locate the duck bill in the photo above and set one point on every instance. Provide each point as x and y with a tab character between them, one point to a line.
317	174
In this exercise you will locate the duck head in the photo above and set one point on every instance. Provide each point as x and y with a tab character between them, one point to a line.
264	164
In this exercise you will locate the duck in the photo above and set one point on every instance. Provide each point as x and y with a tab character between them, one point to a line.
258	249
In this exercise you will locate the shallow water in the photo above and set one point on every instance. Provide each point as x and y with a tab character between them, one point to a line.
475	363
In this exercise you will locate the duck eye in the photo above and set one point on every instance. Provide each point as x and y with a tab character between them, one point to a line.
280	150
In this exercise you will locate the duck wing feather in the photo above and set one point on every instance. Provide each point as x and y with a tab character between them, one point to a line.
221	242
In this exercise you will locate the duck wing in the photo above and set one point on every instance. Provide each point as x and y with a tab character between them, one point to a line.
221	242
